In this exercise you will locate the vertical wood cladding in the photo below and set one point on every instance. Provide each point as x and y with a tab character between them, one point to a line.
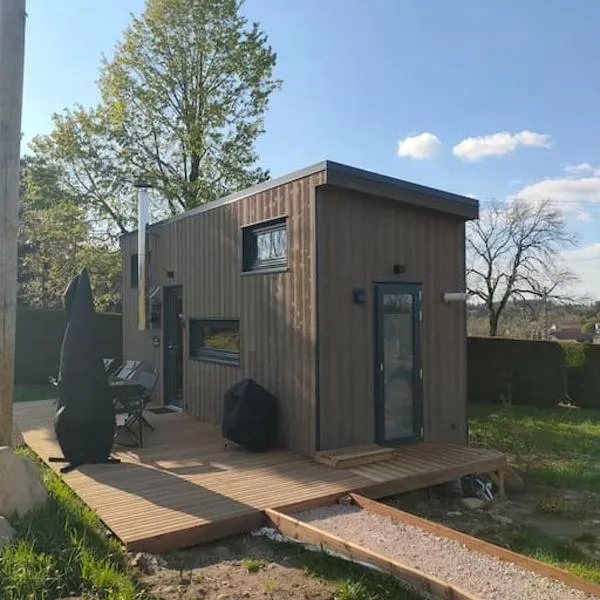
276	310
360	238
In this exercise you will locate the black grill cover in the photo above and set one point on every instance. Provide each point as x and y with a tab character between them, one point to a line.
250	416
84	422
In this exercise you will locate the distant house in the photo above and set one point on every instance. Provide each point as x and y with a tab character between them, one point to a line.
571	333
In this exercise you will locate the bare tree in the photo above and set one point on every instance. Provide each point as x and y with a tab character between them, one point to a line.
513	254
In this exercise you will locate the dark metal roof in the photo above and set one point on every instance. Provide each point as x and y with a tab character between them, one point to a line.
344	176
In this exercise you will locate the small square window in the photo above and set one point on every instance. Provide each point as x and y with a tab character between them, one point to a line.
265	246
215	340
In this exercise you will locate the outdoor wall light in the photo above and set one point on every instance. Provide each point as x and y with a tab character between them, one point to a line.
455	297
399	269
359	296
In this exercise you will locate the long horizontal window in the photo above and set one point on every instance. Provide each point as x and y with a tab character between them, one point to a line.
215	340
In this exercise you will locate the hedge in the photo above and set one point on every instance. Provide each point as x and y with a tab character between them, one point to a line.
515	371
538	373
39	338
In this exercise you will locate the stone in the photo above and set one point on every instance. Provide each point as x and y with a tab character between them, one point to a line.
21	487
513	482
502	519
473	503
147	563
7	533
454	513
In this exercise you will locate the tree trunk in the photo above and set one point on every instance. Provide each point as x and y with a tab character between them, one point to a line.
493	321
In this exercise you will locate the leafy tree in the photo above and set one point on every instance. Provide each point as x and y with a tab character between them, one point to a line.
182	103
513	254
55	243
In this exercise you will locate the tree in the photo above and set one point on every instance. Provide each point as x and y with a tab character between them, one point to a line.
182	103
513	254
55	242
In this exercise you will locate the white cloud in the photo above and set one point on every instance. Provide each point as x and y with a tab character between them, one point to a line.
585	261
580	169
564	191
424	145
498	144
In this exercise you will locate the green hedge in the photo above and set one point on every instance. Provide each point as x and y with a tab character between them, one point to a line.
39	338
520	371
536	373
584	380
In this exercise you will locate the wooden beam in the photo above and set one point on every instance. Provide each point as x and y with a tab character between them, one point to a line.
303	532
432	477
12	51
478	545
200	534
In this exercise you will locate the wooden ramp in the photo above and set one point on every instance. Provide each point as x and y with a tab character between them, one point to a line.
184	487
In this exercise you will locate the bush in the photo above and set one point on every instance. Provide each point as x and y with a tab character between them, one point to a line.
39	338
584	381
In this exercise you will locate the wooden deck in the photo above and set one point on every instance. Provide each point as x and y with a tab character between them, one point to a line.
184	487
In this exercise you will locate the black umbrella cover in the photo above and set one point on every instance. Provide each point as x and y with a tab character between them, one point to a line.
85	420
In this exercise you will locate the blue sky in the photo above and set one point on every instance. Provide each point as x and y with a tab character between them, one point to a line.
359	78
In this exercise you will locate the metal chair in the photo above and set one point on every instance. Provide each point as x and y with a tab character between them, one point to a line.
131	398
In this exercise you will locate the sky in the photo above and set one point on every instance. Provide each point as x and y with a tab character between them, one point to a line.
482	98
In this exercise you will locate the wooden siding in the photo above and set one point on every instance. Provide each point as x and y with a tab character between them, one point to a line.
360	238
276	310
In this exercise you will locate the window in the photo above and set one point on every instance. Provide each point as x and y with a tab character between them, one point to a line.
265	246
216	340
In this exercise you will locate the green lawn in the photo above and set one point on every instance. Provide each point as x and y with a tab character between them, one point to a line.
557	451
27	393
62	550
559	447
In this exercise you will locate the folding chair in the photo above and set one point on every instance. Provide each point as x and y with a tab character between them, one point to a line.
127	370
130	401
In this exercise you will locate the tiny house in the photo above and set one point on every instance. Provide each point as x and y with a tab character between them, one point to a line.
337	289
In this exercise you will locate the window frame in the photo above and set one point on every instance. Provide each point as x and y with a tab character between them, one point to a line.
201	353
250	234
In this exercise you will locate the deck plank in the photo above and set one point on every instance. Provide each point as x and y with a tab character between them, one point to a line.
184	487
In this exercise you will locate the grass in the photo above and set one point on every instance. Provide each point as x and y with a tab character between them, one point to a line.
559	448
253	565
565	554
62	550
351	581
28	393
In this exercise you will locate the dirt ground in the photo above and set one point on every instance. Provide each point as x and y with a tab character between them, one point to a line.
234	569
540	515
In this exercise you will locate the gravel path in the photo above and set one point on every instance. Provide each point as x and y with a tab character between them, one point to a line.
477	573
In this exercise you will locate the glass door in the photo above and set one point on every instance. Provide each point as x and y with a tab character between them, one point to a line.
398	397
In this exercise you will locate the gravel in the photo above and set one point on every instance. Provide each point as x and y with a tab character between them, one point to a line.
480	574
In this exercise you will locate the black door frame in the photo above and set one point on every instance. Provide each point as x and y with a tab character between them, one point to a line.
416	290
168	322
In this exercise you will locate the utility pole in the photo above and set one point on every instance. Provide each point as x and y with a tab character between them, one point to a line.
12	54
